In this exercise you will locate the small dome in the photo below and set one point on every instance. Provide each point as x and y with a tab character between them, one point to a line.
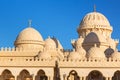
94	37
108	52
115	55
76	55
45	55
58	44
95	19
29	36
95	52
50	43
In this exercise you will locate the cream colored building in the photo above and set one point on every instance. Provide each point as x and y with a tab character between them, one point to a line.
94	55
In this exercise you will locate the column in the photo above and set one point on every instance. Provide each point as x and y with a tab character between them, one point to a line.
106	78
84	78
15	77
49	78
81	78
64	77
33	76
110	78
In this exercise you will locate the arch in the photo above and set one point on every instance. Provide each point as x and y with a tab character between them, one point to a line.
24	75
73	75
116	75
95	75
41	75
6	75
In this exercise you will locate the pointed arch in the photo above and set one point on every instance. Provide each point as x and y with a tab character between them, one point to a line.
73	75
6	75
41	75
116	75
95	75
24	75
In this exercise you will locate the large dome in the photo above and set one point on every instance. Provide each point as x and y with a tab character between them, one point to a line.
29	36
94	21
95	18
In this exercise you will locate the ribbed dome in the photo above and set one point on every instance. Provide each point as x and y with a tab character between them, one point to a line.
95	19
29	36
95	52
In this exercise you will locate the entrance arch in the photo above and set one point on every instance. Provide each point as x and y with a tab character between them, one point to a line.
6	75
95	75
24	75
116	76
41	75
73	75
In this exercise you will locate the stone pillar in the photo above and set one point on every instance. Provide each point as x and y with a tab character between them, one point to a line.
51	78
81	78
48	77
33	76
84	78
106	78
64	77
110	78
15	77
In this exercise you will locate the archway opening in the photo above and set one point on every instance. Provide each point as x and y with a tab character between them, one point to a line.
41	75
73	75
6	75
95	75
24	75
116	76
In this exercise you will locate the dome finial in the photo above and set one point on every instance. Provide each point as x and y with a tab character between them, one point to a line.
29	23
94	8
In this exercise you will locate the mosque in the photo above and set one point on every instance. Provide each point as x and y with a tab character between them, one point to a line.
94	55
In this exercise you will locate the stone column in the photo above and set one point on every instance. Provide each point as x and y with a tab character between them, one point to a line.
81	78
64	77
33	76
110	78
84	78
15	77
106	78
49	78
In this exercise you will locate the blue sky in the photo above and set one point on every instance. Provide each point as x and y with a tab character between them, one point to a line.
58	18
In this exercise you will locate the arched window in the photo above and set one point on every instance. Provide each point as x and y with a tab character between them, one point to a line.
95	75
116	76
6	75
24	75
41	75
73	75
